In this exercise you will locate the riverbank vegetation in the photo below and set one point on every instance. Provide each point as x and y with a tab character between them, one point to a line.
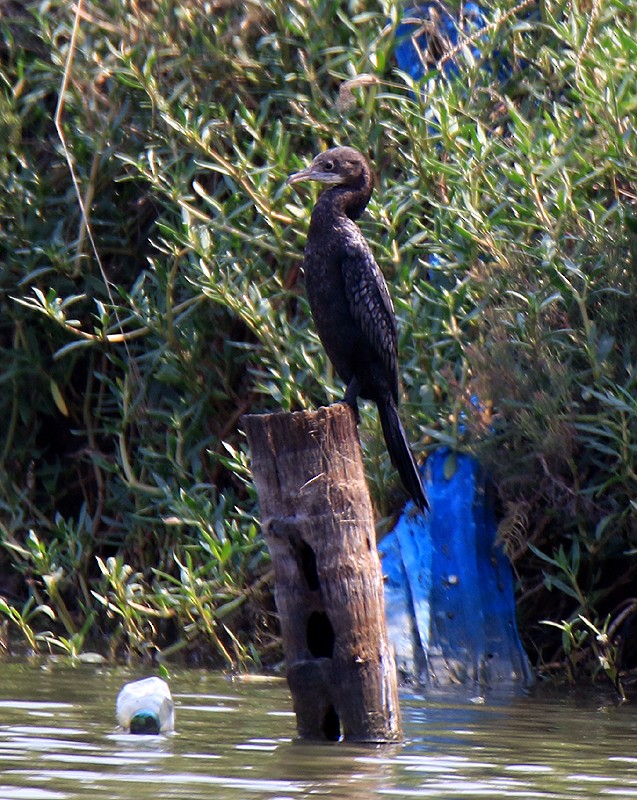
151	295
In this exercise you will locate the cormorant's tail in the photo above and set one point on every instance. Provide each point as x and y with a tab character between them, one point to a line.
400	452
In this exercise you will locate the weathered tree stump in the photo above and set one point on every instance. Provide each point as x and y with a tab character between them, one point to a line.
318	523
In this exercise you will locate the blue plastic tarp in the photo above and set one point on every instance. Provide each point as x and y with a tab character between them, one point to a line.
432	36
449	585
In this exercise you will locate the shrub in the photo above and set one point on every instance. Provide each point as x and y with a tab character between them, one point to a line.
134	338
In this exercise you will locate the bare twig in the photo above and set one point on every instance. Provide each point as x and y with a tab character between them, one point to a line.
595	8
66	77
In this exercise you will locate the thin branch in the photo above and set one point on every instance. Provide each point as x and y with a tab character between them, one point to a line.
69	160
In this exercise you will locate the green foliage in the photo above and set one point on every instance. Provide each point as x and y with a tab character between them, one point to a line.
504	221
576	641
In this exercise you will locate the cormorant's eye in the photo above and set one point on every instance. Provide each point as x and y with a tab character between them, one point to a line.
328	166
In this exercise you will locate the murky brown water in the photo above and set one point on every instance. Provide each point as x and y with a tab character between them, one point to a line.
235	741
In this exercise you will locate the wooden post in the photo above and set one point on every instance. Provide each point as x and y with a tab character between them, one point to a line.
318	523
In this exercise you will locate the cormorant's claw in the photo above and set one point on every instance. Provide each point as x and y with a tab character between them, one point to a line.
353	406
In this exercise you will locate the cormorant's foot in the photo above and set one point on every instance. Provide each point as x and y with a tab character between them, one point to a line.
351	394
353	406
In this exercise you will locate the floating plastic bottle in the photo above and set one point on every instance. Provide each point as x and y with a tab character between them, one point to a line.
146	707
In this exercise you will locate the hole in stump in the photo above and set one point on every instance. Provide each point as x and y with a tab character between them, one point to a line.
320	635
307	560
331	725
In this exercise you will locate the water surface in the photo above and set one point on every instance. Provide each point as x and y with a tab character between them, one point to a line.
236	741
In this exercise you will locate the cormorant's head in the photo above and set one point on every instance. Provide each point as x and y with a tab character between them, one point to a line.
340	165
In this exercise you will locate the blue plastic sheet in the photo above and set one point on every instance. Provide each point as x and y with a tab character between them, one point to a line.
449	585
431	36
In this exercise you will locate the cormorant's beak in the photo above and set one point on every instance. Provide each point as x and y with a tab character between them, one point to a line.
311	173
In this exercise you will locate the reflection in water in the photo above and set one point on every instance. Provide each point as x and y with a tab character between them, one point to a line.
235	741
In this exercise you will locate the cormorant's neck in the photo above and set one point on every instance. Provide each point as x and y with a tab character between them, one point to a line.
347	200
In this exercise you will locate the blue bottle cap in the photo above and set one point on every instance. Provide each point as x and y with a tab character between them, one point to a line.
145	722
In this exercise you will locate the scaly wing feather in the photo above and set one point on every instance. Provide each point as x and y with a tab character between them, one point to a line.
370	304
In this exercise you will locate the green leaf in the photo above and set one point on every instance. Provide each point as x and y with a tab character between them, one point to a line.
58	398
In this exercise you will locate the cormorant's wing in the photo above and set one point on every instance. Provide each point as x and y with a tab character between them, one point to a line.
371	305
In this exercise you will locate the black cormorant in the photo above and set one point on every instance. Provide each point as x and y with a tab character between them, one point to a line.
350	302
